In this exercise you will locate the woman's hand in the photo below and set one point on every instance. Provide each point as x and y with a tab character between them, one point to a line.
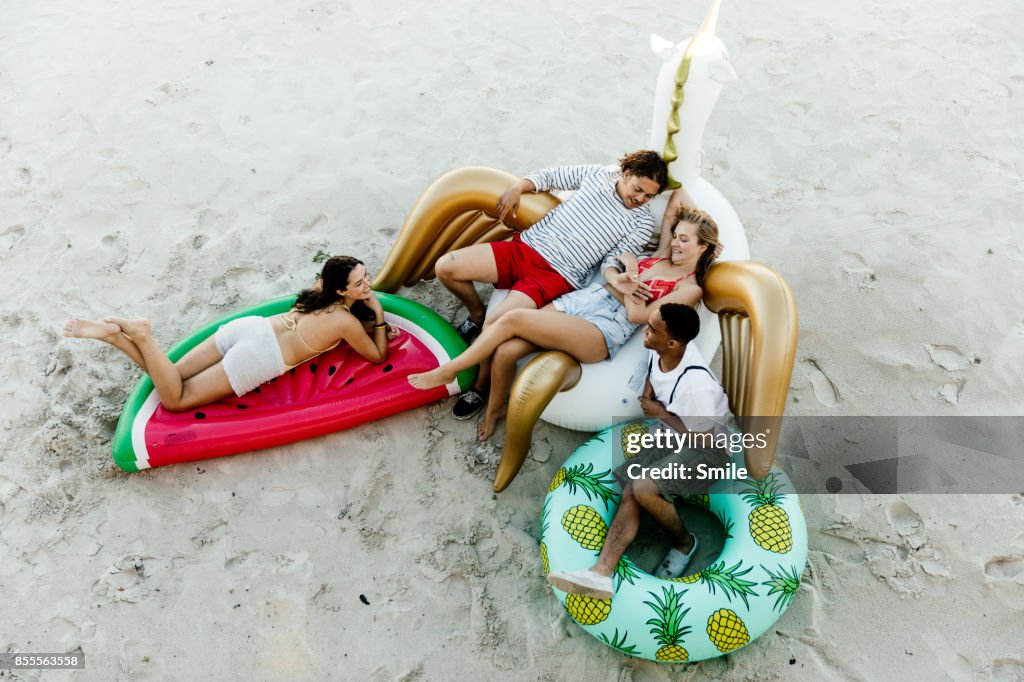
373	303
629	284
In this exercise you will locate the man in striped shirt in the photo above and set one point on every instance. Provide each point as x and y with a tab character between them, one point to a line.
607	215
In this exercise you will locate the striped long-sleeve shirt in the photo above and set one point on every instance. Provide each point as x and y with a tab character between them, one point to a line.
592	227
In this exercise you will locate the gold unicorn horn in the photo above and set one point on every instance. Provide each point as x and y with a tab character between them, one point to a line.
707	29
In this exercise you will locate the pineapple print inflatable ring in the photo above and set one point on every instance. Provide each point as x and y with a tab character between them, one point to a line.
725	606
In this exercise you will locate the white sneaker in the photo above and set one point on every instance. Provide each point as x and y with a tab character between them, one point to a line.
675	562
585	583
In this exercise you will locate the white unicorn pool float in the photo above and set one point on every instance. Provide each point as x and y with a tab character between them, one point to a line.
688	86
459	209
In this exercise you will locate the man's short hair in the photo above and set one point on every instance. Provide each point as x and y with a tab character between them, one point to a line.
681	321
646	164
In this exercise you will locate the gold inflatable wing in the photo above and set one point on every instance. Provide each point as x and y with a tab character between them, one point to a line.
757	314
457	210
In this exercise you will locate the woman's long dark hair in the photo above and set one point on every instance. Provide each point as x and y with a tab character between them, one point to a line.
333	278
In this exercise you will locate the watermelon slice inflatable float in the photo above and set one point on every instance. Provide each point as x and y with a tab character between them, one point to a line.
331	392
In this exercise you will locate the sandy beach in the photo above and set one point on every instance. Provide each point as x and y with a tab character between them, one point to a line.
180	161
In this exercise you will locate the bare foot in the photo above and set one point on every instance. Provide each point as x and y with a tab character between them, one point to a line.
78	328
485	429
134	328
431	379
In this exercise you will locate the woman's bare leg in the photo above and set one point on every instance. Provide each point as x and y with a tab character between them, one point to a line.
199	358
503	373
107	332
546	328
176	393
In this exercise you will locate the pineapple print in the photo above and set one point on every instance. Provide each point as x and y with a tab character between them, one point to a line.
543	530
636	427
769	523
785	584
585	526
626	571
619	644
587	610
729	579
583	477
727	524
698	500
727	631
668	627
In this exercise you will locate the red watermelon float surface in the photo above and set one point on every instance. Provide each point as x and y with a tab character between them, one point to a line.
331	392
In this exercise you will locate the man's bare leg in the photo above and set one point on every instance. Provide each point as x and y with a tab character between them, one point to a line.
597	580
664	512
621	533
459	269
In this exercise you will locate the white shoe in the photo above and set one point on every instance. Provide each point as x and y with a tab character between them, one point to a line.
585	583
675	562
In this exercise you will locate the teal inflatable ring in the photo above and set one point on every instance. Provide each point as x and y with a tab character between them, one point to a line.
716	611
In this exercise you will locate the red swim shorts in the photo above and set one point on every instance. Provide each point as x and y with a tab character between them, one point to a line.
520	268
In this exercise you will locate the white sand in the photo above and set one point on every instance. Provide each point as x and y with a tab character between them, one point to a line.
181	160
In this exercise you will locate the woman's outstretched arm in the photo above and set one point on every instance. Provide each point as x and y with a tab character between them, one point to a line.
373	346
678	200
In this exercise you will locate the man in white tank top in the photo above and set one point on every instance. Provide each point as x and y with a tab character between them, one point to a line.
685	395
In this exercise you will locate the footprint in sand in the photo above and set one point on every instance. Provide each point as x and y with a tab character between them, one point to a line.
902	518
950	358
1008	670
1004	567
856	269
64	631
837	546
950	391
111	241
209	218
824	390
955	664
11	236
211	534
8	489
315	223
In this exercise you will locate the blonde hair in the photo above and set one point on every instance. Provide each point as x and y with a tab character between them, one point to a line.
707	234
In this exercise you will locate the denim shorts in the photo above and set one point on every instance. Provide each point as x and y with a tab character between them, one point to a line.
598	307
